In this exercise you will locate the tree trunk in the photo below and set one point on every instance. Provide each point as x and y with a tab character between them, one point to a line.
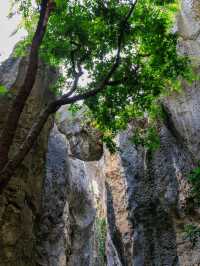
7	172
10	127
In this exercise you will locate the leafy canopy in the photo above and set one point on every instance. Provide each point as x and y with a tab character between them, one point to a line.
84	33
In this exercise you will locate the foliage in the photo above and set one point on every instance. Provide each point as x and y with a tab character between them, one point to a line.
101	231
192	233
194	180
110	144
29	14
3	90
58	86
74	108
85	32
147	137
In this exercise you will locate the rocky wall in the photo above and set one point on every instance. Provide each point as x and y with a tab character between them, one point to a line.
70	206
20	203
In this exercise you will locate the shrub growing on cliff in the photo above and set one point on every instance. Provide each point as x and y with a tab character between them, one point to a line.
125	49
147	137
192	233
101	232
194	180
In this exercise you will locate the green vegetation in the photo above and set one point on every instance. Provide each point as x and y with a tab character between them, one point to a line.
147	137
194	180
85	33
3	90
101	232
147	131
117	58
192	233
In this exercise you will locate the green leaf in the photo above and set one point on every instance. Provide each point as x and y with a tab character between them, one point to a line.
87	31
3	90
59	3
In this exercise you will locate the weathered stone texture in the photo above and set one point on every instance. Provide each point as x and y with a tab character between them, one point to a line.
84	141
66	234
51	219
21	201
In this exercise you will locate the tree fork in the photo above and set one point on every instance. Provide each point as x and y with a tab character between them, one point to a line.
8	169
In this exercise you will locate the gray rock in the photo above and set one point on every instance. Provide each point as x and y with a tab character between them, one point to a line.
21	201
65	236
144	197
85	143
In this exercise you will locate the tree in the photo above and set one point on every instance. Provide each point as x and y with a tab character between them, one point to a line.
126	48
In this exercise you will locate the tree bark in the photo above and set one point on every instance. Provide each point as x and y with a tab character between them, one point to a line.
10	126
12	164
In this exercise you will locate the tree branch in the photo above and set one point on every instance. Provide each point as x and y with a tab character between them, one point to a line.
12	164
10	127
99	87
114	67
75	83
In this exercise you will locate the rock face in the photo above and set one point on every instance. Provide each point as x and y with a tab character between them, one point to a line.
67	226
47	212
156	204
148	194
54	226
84	141
21	201
119	226
74	204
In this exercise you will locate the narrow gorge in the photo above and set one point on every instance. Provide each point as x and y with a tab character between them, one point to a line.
73	203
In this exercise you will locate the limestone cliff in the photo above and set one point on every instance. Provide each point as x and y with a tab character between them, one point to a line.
149	193
21	202
72	203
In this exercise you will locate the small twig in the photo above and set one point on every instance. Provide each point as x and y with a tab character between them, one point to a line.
75	82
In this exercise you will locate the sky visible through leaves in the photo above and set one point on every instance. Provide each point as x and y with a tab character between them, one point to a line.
7	27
